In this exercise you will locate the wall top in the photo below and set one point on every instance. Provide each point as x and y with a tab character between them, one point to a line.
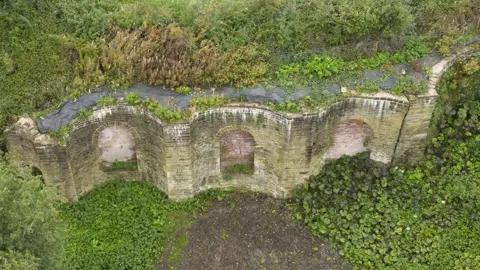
258	95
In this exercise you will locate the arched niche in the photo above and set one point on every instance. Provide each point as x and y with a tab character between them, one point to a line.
117	147
237	152
36	171
349	138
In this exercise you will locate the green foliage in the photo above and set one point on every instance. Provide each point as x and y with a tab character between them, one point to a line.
61	134
84	113
287	106
323	66
413	49
124	165
106	101
369	87
31	230
184	90
121	225
13	260
288	71
205	103
405	86
162	112
87	44
425	217
133	99
372	62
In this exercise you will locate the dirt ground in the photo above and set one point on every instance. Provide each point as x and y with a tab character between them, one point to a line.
249	231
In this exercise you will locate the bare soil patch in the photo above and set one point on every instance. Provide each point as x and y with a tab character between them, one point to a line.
249	231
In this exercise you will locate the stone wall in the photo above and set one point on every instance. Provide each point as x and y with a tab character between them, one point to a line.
183	159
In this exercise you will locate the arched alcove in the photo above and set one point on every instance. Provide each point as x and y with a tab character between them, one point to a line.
349	138
36	171
237	152
117	147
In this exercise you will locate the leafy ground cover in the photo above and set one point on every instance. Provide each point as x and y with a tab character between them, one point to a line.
426	217
122	225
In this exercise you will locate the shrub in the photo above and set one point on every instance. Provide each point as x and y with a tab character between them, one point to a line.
405	86
323	66
414	48
61	134
287	71
164	113
133	99
31	227
184	90
287	106
205	103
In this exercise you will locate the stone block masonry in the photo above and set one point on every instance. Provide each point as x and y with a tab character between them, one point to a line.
184	159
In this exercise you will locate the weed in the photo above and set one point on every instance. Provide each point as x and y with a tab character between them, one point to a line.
133	99
184	90
238	169
106	101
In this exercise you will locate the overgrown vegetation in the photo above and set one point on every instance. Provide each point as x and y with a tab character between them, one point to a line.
205	103
124	165
380	217
106	101
122	225
31	229
238	169
53	48
426	217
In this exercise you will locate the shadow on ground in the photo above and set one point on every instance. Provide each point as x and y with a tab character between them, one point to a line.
248	231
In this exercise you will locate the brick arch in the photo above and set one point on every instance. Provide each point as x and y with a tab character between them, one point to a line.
113	124
350	137
230	128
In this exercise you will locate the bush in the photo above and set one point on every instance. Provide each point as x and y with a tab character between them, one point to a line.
413	49
163	113
133	99
31	229
323	66
184	90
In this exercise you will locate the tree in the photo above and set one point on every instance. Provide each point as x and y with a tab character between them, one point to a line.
31	230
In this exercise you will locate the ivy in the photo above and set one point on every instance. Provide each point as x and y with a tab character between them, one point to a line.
122	225
424	217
